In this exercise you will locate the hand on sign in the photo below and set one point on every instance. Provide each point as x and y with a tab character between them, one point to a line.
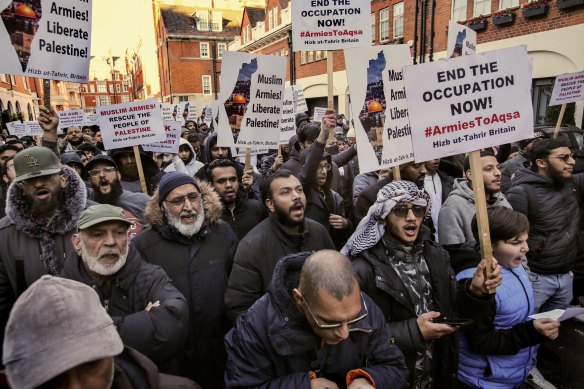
431	330
547	327
329	122
338	222
277	163
247	179
360	383
383	173
49	121
480	285
152	305
322	383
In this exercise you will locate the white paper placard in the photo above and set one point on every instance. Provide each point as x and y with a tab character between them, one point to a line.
172	131
74	117
90	119
568	88
299	100
33	128
318	114
288	121
16	128
461	40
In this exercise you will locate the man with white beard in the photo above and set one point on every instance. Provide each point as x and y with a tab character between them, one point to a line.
147	310
188	239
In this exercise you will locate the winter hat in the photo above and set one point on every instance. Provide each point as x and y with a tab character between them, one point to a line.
351	133
171	181
55	325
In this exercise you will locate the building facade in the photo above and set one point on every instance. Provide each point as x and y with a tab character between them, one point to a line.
18	95
116	89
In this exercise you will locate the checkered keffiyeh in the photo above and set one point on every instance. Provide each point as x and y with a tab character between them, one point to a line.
371	228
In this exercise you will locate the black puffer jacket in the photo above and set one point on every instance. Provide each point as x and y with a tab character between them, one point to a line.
159	333
247	214
554	218
273	345
380	281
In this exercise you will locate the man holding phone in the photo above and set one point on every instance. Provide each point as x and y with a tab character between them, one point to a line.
411	280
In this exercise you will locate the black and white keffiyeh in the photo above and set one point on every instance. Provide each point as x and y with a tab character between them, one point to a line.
371	228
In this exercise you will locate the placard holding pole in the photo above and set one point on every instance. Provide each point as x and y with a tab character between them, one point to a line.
396	173
331	88
140	170
559	122
568	88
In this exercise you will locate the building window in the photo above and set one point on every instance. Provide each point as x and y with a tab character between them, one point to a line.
221	48
384	24
18	110
204	49
317	55
458	10
10	110
202	20
302	57
3	77
217	21
116	76
125	98
207	85
118	88
84	88
542	94
182	99
110	87
92	88
125	87
481	7
102	100
504	4
276	21
101	87
30	114
270	20
310	56
325	54
398	20
373	28
247	33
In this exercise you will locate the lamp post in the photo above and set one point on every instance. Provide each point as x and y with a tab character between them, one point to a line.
111	61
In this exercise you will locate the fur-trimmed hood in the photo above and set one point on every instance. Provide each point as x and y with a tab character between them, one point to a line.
211	203
286	277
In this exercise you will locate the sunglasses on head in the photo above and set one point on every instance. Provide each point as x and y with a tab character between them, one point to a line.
402	210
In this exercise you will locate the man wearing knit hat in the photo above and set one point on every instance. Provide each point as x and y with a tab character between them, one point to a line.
149	313
188	239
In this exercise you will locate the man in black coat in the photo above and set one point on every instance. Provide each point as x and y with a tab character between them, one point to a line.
314	328
189	241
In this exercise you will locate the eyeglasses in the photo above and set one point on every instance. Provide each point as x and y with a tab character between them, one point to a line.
403	210
338	325
97	172
180	201
563	157
10	168
326	167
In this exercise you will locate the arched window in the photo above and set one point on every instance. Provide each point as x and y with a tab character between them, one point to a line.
30	113
1	106
10	110
18	110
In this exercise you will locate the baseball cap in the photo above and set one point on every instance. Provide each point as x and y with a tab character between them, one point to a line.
55	325
100	158
35	162
101	213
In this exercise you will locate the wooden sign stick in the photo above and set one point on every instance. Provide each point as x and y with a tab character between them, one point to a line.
559	123
331	97
478	187
247	159
140	170
279	150
396	173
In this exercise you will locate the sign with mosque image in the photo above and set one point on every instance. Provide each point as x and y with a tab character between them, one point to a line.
378	97
251	100
461	40
47	39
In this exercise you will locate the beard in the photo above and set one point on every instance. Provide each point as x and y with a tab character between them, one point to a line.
110	197
94	264
76	142
556	177
46	209
187	230
129	172
283	216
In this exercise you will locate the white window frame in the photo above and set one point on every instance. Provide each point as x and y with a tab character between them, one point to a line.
458	10
398	20
270	20
373	27
317	55
102	100
504	4
276	21
206	85
204	47
203	23
101	87
384	24
92	88
247	33
481	7
220	51
216	21
310	57
302	57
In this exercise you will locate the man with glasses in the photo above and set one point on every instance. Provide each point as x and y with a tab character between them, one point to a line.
106	188
43	205
313	329
190	242
409	277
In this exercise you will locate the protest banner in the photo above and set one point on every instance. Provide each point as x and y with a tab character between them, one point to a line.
166	110
207	115
190	111
288	120
299	100
176	112
461	40
130	124
46	39
91	119
568	88
379	108
252	91
33	128
318	114
17	128
74	117
172	131
330	24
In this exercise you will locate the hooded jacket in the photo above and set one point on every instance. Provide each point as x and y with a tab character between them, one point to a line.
273	345
247	214
554	219
454	222
199	268
178	165
152	173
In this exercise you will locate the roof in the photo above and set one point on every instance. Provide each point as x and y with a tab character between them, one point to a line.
255	15
178	21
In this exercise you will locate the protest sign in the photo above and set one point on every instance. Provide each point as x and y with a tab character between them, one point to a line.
175	112
299	100
461	40
91	119
208	115
568	88
190	111
74	117
379	107
330	24
33	128
252	91
318	114
46	39
17	128
288	120
166	109
469	103
130	124
171	144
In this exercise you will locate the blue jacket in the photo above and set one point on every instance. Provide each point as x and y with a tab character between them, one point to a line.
497	350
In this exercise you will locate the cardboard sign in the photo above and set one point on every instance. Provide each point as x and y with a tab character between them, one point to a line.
299	100
461	40
330	24
46	39
190	111
288	121
208	115
252	92
16	128
175	112
568	88
469	103
131	124
318	114
172	131
91	119
380	112
33	128
74	117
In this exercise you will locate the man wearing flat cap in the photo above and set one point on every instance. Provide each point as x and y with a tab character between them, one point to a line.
149	313
188	239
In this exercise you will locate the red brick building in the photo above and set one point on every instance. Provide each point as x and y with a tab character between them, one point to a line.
20	95
98	92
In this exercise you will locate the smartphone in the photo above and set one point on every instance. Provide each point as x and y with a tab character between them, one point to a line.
453	322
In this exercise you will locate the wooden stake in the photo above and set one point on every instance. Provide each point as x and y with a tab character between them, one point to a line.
559	123
247	159
331	97
478	187
279	150
140	170
396	173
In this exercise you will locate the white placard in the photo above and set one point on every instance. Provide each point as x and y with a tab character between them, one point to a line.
74	117
208	115
166	109
378	97
172	131
469	103
568	88
131	124
461	40
91	119
299	100
16	128
330	24
33	128
559	314
176	112
46	39
288	121
252	94
318	114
